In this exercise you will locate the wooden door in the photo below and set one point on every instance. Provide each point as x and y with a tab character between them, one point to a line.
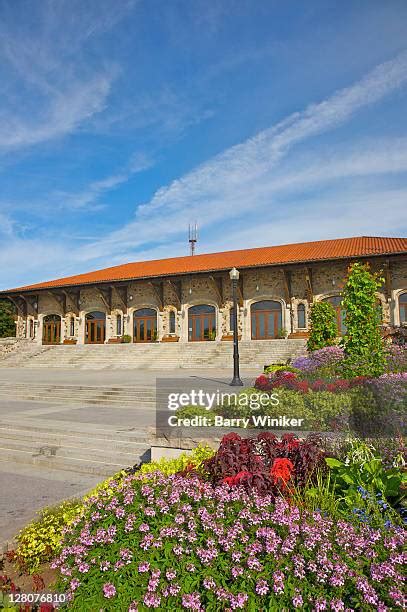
144	328
51	332
95	331
265	324
202	326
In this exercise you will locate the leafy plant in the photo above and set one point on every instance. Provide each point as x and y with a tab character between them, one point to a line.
360	484
254	458
324	328
363	344
41	539
7	325
185	462
126	338
273	368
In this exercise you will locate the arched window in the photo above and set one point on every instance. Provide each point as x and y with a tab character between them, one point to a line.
201	323
72	326
95	331
51	329
336	302
119	325
403	308
301	316
144	325
172	322
266	319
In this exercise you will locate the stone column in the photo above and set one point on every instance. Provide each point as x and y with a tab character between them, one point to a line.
81	328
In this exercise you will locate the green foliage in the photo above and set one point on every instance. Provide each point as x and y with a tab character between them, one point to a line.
188	412
7	325
281	368
366	487
363	344
185	461
126	339
41	539
324	329
318	495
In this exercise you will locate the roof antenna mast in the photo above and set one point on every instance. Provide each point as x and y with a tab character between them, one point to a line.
193	237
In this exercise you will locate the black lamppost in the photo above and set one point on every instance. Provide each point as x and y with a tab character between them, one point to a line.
236	382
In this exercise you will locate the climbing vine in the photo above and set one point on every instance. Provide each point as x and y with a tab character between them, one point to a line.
324	329
363	344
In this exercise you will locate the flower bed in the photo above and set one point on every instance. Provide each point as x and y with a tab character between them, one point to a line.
179	543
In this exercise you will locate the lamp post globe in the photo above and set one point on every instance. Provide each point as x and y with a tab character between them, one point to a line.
236	381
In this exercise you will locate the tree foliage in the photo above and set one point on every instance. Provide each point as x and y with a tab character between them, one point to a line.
363	343
324	329
7	325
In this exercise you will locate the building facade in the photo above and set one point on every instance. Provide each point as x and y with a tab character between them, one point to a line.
189	299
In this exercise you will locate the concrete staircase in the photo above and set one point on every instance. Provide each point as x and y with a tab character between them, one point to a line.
142	396
154	356
81	448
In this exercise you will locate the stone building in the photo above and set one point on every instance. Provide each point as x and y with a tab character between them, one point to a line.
188	299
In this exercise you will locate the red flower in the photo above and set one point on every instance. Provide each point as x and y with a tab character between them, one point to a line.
232	481
303	386
281	471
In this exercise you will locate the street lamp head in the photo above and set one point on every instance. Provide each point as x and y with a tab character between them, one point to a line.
234	274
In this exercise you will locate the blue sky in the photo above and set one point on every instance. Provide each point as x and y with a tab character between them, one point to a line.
267	122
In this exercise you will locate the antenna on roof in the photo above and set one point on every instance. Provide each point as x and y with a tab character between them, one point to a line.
193	237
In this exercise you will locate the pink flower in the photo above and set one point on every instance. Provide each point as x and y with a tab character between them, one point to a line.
109	590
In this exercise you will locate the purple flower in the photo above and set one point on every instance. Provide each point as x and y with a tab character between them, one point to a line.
297	601
192	601
144	567
74	584
109	590
262	588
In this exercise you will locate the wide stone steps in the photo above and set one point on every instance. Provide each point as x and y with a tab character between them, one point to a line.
155	356
86	449
141	396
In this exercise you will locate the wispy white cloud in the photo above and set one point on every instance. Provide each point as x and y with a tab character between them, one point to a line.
241	179
256	193
91	194
50	90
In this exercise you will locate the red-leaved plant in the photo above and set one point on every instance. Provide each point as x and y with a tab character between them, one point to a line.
289	380
265	462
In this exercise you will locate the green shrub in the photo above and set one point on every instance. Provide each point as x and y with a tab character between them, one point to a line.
324	328
188	412
363	344
126	339
7	325
366	488
184	461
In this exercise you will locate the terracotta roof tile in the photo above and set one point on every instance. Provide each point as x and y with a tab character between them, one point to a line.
285	254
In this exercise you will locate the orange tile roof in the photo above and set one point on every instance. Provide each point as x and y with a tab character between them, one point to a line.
341	248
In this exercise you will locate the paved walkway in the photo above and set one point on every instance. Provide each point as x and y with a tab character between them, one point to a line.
24	489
